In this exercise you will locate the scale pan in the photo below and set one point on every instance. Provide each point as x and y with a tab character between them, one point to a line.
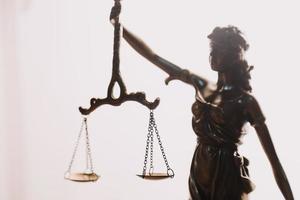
155	176
81	177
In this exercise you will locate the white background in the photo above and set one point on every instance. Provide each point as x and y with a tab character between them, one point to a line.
56	54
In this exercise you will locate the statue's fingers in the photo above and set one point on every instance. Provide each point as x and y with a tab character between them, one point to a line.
167	80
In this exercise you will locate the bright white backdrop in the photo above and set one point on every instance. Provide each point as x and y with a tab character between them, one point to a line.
56	54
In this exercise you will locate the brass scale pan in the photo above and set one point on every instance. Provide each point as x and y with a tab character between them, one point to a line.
157	176
81	176
92	177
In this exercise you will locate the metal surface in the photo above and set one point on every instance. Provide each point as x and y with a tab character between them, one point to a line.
116	78
81	177
89	174
155	176
150	139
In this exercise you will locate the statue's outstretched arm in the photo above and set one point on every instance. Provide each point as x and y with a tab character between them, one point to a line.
257	121
171	69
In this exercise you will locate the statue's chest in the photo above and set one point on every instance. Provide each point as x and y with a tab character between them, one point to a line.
233	107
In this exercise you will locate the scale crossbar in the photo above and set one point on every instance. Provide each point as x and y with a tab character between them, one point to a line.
116	75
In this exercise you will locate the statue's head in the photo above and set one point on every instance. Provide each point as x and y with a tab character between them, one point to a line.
227	47
227	54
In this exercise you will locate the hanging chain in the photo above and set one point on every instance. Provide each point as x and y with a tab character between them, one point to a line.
76	145
150	140
151	169
89	160
160	144
150	130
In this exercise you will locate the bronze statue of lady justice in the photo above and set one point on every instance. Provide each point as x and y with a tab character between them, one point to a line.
220	111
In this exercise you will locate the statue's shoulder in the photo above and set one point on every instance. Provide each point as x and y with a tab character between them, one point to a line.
252	109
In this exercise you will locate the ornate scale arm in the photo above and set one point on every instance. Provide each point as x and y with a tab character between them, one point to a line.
116	76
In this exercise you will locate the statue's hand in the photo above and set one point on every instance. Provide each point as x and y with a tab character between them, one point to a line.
115	12
170	78
183	75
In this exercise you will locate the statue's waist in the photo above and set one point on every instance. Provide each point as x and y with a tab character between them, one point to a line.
225	145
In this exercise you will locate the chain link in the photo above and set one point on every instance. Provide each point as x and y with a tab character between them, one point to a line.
150	129
151	145
160	144
150	139
89	159
76	145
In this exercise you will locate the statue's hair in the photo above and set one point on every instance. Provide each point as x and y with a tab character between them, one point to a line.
231	42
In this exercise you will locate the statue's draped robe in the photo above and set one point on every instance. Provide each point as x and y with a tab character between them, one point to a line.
218	172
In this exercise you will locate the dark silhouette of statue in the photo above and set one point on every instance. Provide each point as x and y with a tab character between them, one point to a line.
220	111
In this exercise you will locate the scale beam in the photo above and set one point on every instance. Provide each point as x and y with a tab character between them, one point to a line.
116	75
138	97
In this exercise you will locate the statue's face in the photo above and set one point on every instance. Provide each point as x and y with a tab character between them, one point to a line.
217	60
221	60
